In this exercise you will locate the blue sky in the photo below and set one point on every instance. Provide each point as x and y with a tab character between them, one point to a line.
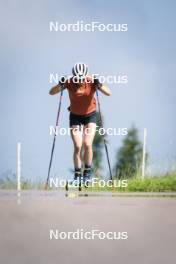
29	53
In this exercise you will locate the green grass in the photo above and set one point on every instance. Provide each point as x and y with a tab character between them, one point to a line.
165	183
151	184
11	184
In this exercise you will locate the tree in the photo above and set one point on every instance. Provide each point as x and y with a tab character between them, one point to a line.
129	156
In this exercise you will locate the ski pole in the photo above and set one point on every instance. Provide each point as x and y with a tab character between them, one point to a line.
54	140
104	140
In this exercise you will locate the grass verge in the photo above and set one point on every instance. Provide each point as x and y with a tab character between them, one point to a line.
165	183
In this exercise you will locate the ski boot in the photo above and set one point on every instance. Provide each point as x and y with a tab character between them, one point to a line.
78	178
87	174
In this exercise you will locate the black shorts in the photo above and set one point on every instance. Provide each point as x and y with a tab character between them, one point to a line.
77	120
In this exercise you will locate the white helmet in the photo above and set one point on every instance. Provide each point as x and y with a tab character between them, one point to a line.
80	70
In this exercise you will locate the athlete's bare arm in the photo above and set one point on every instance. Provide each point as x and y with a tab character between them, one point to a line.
105	90
55	89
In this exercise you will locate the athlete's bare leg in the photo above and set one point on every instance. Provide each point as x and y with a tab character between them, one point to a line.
77	138
88	137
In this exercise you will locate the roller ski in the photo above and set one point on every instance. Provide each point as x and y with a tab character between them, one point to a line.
77	181
80	180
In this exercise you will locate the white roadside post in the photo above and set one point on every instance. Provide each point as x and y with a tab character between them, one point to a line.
18	169
144	153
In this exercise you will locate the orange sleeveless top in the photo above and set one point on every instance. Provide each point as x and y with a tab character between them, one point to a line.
82	101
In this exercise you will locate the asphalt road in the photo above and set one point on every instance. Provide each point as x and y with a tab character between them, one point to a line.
25	225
